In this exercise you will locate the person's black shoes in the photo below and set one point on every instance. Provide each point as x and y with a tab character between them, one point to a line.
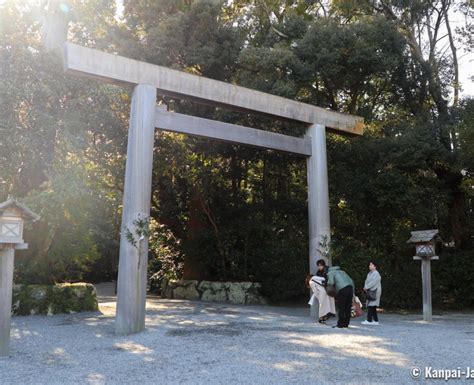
323	319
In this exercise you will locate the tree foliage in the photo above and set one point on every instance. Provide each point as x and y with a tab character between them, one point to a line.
228	212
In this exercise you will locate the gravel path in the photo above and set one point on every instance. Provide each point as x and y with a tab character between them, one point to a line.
199	343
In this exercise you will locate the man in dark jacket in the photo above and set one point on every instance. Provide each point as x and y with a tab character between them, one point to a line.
344	286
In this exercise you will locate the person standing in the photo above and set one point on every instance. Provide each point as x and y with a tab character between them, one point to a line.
322	269
373	283
318	288
344	287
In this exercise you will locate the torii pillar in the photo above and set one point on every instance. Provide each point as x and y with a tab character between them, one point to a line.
318	194
133	260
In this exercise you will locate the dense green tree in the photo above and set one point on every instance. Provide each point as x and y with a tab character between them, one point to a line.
61	151
228	212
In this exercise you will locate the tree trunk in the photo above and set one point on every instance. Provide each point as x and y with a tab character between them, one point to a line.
457	210
193	266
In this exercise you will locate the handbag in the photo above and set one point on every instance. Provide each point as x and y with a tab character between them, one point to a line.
331	291
356	310
371	295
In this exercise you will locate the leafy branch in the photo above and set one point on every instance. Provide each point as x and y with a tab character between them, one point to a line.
141	231
325	246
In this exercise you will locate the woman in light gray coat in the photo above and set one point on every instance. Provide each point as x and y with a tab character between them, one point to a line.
373	282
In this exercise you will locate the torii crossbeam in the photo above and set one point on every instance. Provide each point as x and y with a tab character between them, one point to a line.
148	80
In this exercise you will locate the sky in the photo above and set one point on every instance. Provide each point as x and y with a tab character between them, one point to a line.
466	69
466	72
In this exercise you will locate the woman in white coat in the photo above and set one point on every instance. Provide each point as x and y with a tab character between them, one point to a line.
373	282
317	283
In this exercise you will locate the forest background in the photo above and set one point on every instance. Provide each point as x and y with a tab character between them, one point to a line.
233	213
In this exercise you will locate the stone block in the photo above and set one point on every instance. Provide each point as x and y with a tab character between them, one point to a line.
255	299
204	285
189	283
168	292
236	293
246	285
212	295
188	290
54	299
213	291
164	286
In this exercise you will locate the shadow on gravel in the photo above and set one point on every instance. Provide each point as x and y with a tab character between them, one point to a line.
220	343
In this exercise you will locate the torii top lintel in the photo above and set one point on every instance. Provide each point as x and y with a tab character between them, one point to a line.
118	69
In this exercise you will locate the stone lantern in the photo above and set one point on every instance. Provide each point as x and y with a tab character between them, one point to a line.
12	217
425	243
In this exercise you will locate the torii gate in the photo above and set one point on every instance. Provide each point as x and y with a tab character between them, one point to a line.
145	116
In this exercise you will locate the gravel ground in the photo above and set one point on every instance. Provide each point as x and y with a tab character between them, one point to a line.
200	343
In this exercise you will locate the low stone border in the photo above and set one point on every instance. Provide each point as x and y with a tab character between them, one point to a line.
54	299
244	293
